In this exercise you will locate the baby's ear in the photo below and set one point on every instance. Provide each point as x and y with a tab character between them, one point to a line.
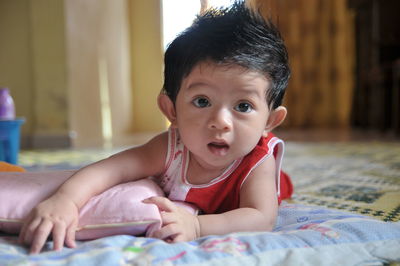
275	118
167	107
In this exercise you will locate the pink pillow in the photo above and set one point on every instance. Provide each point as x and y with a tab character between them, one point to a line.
118	210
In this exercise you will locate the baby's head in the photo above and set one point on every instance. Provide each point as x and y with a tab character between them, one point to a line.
231	36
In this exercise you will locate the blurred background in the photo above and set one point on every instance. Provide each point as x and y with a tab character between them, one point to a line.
86	73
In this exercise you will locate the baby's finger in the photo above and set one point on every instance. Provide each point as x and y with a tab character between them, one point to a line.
40	236
58	234
27	231
21	236
178	238
70	237
169	231
168	218
162	203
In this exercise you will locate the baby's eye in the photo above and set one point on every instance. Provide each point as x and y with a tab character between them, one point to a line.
201	102
243	107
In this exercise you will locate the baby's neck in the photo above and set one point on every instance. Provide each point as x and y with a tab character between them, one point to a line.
198	174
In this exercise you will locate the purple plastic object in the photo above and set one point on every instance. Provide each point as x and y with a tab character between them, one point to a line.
7	108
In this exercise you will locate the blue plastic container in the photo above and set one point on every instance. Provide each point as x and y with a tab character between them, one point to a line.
9	140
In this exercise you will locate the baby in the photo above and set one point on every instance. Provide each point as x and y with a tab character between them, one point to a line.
225	77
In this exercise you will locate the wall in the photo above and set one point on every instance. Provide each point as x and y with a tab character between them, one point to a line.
32	56
68	65
147	64
98	71
114	56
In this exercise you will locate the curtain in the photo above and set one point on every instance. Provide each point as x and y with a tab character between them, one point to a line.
320	39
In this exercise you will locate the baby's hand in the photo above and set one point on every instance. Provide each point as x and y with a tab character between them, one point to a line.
57	215
177	223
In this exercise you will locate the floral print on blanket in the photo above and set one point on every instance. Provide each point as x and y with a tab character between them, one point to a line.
230	245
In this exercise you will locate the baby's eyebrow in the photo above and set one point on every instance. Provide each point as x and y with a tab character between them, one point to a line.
242	91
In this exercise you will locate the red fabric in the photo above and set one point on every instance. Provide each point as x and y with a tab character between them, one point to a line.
286	187
225	195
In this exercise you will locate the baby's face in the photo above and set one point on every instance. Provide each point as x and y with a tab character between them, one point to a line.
221	113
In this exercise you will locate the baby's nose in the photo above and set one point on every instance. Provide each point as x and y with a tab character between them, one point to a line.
221	120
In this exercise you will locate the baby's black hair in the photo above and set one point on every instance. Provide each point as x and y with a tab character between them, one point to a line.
229	36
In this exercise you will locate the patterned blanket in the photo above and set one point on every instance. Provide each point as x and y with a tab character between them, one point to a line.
304	235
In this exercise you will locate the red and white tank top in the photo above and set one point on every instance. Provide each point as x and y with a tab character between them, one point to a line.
222	193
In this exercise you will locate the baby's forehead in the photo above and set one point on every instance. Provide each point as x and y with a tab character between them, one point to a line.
209	69
212	66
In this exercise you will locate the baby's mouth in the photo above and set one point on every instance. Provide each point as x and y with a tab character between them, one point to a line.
218	148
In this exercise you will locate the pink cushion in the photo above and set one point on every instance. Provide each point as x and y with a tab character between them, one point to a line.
119	210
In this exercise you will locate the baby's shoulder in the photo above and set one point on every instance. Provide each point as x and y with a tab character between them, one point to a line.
159	141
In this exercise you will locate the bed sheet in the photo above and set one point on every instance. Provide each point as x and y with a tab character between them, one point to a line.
308	235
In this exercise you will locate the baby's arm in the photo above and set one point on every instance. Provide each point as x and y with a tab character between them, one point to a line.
257	211
258	205
58	215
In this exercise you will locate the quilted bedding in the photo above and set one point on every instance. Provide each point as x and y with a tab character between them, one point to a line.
304	235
